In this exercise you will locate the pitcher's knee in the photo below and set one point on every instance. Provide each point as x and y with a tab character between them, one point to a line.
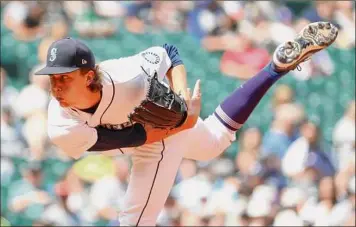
209	139
222	135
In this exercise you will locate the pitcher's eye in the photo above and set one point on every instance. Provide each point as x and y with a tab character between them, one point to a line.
64	77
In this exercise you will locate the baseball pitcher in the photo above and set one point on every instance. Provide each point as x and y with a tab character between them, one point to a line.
140	105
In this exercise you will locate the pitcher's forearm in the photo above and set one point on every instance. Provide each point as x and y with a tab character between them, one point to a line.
177	77
155	135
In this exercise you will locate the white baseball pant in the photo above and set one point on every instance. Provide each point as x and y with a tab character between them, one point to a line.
155	167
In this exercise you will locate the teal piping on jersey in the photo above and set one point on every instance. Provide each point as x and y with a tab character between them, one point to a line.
131	136
134	135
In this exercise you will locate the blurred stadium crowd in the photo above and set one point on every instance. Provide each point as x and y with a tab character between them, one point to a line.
293	163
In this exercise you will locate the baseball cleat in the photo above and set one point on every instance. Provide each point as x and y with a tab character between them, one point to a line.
313	38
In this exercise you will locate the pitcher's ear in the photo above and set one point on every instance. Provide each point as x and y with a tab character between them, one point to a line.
90	77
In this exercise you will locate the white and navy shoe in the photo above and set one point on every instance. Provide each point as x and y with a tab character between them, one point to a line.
313	38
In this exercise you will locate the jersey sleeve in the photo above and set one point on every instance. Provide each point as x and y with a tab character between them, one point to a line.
155	59
173	54
68	131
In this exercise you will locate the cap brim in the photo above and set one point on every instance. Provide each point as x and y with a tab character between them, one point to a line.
55	70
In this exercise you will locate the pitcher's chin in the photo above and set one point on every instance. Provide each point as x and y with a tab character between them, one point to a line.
63	103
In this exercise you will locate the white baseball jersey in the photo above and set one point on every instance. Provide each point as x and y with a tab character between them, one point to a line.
125	86
154	166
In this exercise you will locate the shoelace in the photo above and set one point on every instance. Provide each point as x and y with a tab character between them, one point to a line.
299	68
304	44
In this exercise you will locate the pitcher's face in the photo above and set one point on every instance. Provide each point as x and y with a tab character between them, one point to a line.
67	88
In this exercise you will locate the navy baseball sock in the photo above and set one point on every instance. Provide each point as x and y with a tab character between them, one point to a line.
237	107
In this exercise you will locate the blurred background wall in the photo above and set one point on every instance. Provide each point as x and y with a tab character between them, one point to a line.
293	162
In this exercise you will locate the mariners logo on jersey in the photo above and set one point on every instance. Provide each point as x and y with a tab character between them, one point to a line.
151	57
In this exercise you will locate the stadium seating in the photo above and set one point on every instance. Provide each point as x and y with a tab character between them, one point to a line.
323	97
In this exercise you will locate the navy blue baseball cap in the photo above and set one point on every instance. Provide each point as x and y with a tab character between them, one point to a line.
67	55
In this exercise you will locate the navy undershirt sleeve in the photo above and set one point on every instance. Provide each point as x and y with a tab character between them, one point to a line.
173	54
132	136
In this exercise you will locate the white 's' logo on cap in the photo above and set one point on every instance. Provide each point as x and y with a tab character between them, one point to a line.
84	62
53	54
